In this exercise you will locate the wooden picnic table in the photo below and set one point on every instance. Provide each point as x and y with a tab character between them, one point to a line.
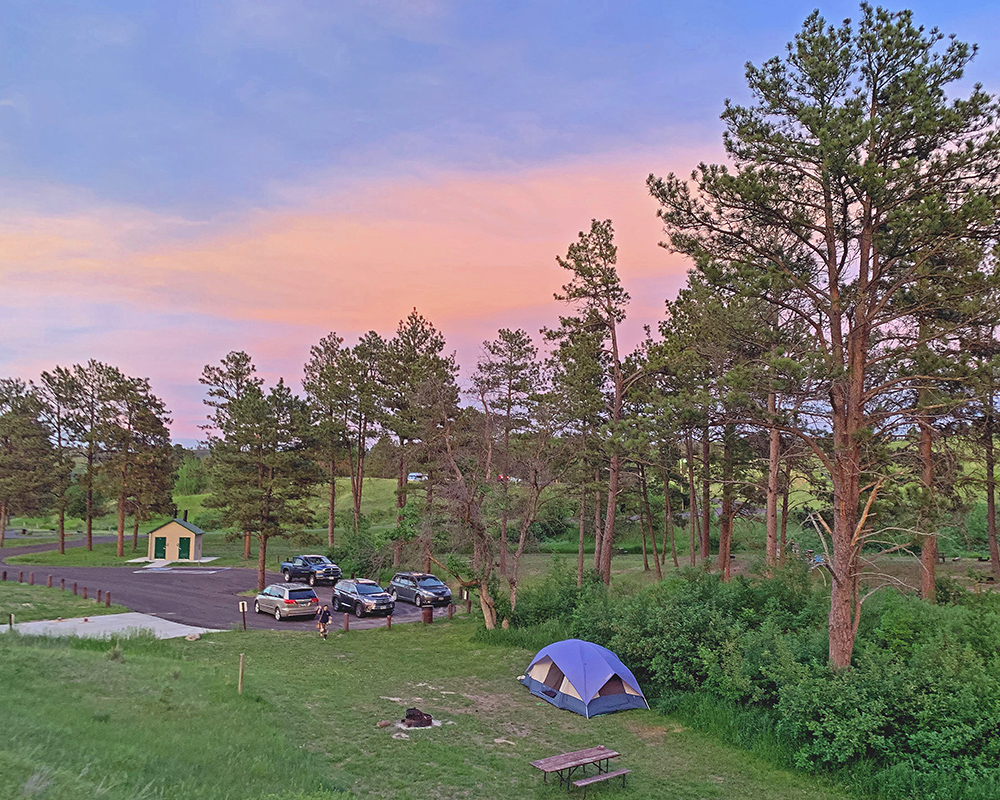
565	764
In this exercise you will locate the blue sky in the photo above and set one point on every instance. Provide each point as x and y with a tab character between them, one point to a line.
145	144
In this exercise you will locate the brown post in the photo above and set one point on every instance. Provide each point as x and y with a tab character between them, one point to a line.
4	576
388	622
468	605
84	592
427	615
48	582
31	579
107	600
451	610
74	587
20	576
62	584
347	622
98	595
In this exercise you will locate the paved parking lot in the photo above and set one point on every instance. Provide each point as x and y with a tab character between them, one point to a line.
203	596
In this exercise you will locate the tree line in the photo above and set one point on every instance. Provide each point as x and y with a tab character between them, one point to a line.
838	332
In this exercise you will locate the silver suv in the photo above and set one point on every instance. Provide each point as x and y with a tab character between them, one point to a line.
286	600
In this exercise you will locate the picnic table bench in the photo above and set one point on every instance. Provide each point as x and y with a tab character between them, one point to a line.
565	764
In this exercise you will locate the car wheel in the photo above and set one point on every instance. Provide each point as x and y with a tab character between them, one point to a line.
312	580
359	610
277	613
418	601
392	594
256	607
287	576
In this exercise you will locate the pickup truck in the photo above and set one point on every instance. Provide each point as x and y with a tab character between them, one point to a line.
312	569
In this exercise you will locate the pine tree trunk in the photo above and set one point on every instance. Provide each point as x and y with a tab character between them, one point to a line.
135	533
706	493
773	465
332	507
668	519
120	551
579	551
598	532
62	525
726	523
262	562
928	538
991	484
3	521
607	543
246	545
692	499
649	517
785	491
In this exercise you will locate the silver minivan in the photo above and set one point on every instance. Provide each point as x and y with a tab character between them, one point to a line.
286	600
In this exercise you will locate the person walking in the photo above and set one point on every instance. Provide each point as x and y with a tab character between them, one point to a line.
323	620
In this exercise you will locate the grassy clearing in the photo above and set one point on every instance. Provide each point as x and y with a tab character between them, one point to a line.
162	719
29	603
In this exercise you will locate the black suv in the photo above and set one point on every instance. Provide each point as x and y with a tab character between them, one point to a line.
419	588
362	596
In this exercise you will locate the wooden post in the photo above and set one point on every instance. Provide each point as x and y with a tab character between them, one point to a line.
347	622
10	621
62	584
31	579
468	605
84	592
239	687
388	622
4	576
451	610
98	595
20	576
427	615
48	582
74	587
107	600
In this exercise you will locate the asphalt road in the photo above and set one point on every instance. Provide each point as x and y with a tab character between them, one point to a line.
203	595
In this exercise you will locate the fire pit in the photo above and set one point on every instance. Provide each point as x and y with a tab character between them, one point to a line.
415	718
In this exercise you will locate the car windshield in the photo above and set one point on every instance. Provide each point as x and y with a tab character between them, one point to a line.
301	594
430	583
317	560
369	588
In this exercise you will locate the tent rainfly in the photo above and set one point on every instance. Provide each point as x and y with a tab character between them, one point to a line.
583	677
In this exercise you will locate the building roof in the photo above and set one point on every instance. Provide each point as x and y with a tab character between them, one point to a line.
183	523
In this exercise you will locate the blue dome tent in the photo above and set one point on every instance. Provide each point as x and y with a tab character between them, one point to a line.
583	677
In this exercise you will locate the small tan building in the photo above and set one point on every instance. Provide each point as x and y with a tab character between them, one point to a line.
177	540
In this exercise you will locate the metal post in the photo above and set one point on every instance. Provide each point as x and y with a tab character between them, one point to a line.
243	611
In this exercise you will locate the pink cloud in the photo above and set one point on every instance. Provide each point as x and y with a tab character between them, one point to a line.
473	252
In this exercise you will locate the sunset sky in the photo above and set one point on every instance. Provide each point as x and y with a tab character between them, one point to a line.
181	179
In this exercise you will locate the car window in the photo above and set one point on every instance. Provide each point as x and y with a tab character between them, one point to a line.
317	560
297	561
369	588
301	594
430	583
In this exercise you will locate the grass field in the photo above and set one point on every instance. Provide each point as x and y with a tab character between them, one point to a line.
151	719
28	603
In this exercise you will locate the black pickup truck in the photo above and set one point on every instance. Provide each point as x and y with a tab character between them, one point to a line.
311	569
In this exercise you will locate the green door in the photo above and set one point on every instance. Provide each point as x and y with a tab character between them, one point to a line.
184	548
160	547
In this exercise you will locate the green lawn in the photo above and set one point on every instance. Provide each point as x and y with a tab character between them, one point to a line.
163	719
28	603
